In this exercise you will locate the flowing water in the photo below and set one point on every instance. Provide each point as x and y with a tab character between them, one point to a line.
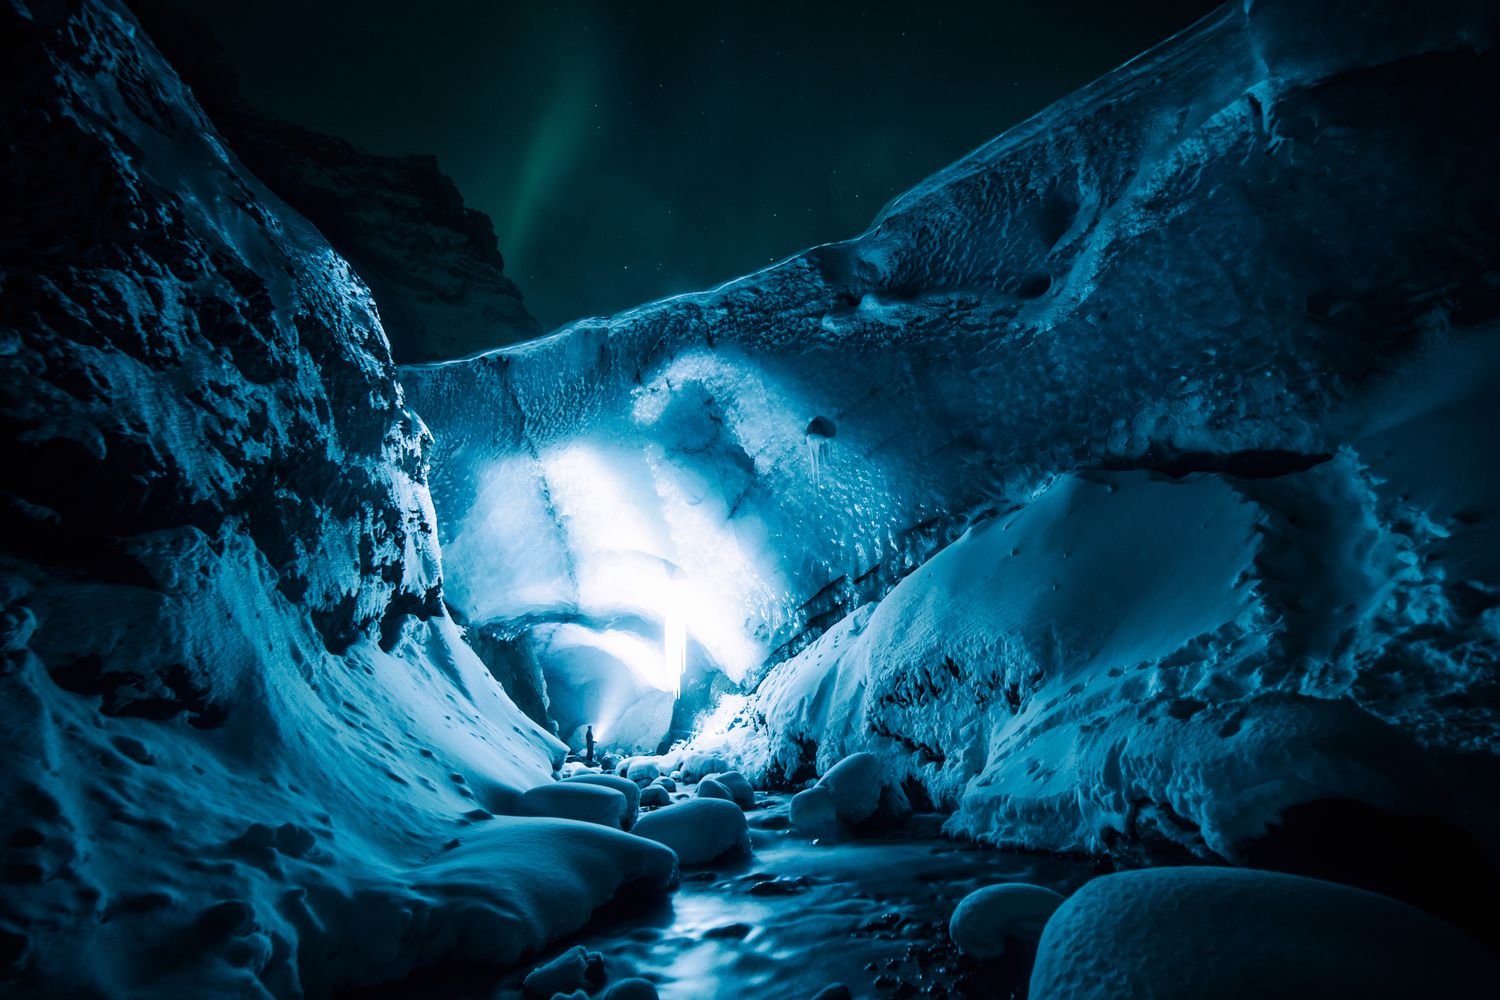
871	914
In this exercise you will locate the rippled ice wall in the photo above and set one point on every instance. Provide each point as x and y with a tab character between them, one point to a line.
1261	257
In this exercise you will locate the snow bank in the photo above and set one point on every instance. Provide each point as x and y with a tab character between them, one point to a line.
247	752
1109	665
1212	932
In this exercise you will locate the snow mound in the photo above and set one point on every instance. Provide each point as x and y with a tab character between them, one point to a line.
576	800
1189	933
625	787
988	919
736	784
1118	665
630	989
814	813
574	969
698	830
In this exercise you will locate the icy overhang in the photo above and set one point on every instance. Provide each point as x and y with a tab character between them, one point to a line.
1216	249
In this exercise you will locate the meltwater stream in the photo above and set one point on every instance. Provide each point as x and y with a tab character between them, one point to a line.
799	915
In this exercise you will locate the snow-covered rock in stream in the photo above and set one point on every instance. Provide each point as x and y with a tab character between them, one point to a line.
246	751
629	789
737	785
988	919
1187	933
1195	370
575	969
698	830
586	803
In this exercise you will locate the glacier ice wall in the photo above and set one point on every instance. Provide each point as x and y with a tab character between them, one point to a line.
1260	258
246	752
1209	256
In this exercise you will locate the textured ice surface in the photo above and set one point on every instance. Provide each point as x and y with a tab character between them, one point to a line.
1204	354
246	753
1212	932
1226	255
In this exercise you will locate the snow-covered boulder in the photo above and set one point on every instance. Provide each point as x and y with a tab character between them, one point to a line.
630	989
737	785
813	812
579	800
624	786
1189	933
641	770
509	887
575	969
855	784
853	792
988	919
708	788
699	830
694	765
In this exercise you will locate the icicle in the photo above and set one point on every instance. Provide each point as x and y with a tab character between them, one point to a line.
820	431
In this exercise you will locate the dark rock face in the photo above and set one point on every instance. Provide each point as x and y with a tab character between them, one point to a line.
230	698
180	359
432	264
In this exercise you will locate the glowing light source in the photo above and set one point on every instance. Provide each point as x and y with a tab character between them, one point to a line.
673	639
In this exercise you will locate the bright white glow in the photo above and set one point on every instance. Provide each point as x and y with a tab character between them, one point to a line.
673	644
637	654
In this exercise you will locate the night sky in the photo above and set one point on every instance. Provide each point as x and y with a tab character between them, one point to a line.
630	150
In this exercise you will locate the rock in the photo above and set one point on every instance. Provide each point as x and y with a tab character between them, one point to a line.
655	796
699	830
578	800
432	262
735	932
987	919
813	812
294	841
855	783
574	969
854	791
738	786
640	770
624	786
697	764
630	989
1188	933
708	788
833	991
666	783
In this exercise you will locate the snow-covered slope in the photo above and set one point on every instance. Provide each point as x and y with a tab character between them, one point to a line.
245	750
1261	258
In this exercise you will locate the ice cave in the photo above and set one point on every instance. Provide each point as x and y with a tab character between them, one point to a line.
1083	583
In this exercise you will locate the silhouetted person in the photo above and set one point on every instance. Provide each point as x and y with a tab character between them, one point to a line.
588	742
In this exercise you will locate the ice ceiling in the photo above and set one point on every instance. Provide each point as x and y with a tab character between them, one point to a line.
657	543
735	471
